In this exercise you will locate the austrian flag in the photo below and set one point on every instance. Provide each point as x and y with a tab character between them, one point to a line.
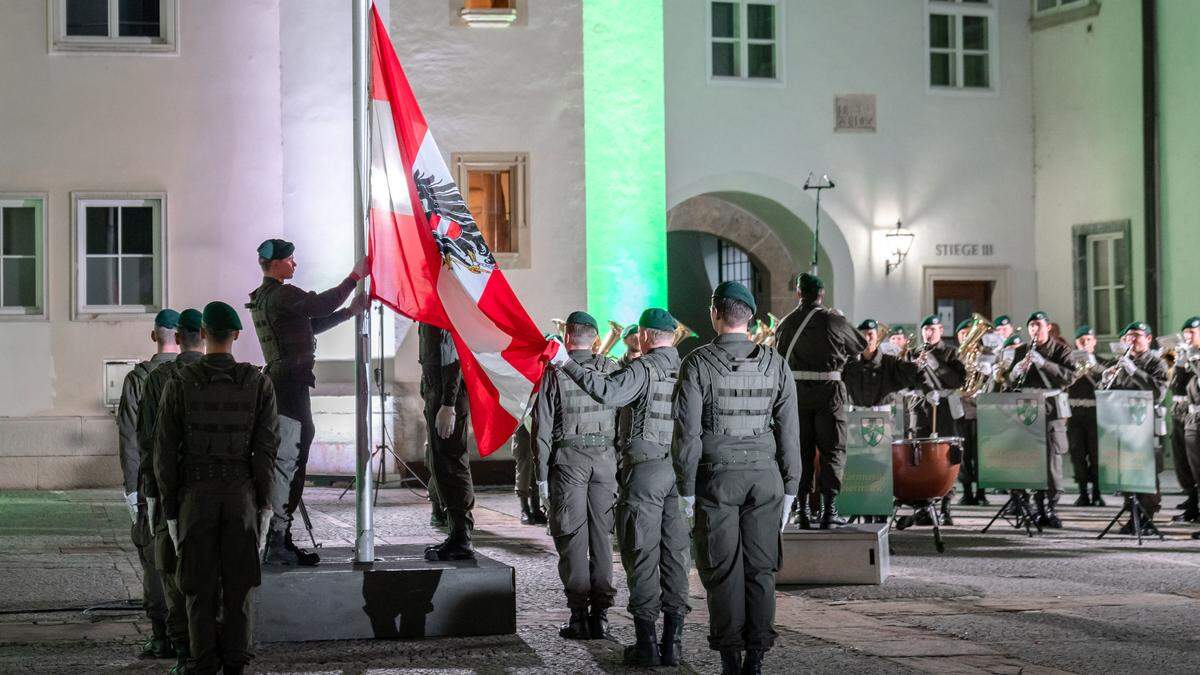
430	263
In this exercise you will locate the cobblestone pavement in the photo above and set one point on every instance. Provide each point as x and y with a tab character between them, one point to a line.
995	603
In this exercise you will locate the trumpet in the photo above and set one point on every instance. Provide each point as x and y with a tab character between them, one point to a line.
611	338
682	332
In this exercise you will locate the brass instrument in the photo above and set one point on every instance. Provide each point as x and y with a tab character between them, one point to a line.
611	338
769	339
969	352
682	332
560	328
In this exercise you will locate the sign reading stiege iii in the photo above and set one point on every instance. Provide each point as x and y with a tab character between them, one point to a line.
1012	441
1126	441
867	482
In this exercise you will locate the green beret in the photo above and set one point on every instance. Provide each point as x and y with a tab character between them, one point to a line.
1084	330
275	249
166	318
631	329
657	319
582	318
868	324
1137	325
732	290
931	320
962	325
1193	322
190	319
1014	340
1039	315
809	284
1002	320
220	316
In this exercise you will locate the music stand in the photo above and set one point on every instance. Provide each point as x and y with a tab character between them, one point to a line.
1137	515
1017	506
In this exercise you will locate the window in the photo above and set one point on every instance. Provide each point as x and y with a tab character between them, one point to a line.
1104	297
744	39
961	44
494	187
1042	7
119	244
734	264
488	13
22	256
112	25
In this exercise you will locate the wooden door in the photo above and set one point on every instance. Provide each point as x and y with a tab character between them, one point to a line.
955	300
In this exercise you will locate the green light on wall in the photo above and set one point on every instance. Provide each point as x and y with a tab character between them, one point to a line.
624	158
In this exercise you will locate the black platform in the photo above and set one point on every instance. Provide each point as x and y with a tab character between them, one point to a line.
401	595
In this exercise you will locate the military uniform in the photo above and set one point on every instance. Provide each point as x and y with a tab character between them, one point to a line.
215	444
945	374
1181	376
651	532
872	382
1083	440
574	439
1149	374
442	386
1192	430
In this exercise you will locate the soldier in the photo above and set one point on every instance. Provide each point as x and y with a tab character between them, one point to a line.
944	374
187	337
874	378
1139	369
532	512
817	345
574	438
629	337
287	319
1192	425
215	443
651	533
159	644
737	465
1044	365
446	411
1182	375
1002	326
968	425
1082	432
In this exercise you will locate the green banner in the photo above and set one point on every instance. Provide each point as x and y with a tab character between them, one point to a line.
867	481
1126	439
1012	441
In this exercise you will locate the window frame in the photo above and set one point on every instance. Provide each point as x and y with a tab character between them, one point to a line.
1108	240
743	45
1059	7
957	9
80	310
113	43
1082	237
42	244
518	163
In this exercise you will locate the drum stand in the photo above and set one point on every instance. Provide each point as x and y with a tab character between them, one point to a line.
930	508
1137	515
1016	506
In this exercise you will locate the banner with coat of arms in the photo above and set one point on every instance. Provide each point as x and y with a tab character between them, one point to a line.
867	481
1012	441
1126	441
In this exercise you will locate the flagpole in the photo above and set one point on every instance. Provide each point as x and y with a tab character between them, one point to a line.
364	516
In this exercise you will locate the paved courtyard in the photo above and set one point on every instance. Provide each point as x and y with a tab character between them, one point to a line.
995	603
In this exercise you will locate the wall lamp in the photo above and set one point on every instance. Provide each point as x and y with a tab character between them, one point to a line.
900	242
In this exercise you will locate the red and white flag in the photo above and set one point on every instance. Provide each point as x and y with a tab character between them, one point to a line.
430	263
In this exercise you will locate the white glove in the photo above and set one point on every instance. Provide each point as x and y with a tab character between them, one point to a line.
544	490
151	503
688	506
984	369
934	397
1038	359
788	501
131	504
264	526
1127	365
173	532
1021	367
560	356
444	422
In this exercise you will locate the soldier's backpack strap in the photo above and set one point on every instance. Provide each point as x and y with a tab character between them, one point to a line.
787	357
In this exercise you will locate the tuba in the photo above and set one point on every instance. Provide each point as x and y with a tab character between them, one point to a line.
611	338
969	351
682	332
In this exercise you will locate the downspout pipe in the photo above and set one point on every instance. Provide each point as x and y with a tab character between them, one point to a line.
1152	228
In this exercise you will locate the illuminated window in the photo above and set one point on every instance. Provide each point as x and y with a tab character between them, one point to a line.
493	186
113	25
488	13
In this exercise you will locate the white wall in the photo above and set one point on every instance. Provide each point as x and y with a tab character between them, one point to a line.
954	168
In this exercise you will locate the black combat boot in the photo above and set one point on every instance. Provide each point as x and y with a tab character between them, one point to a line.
643	653
598	624
1097	500
981	496
526	512
1196	534
1052	519
945	518
576	628
829	514
1191	510
802	513
1084	499
437	516
968	498
1189	503
233	669
181	651
156	648
457	546
1040	499
731	662
671	649
535	508
303	558
753	663
277	553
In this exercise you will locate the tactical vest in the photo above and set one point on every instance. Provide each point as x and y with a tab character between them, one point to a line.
585	423
284	336
743	391
652	416
218	414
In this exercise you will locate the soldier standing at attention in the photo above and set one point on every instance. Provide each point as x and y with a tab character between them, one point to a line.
215	445
187	337
446	410
1083	442
736	451
1182	375
651	533
287	319
532	512
574	437
817	344
159	644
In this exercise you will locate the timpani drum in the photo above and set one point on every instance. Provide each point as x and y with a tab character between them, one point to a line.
925	468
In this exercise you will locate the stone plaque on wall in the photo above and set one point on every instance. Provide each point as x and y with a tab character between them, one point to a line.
854	112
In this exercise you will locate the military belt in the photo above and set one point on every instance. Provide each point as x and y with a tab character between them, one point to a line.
631	458
736	456
871	408
815	375
205	472
583	441
1082	402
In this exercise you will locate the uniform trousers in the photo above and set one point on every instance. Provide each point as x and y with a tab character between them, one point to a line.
582	497
1083	442
1185	470
450	465
168	565
292	399
153	601
652	535
522	449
